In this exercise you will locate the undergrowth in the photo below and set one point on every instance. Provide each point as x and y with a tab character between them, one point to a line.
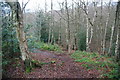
35	63
104	64
46	46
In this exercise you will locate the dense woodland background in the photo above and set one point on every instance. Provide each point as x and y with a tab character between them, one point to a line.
93	27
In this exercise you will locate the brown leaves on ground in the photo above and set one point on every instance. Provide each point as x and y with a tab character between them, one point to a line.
64	67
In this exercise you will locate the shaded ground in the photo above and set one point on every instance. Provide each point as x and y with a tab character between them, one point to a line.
64	67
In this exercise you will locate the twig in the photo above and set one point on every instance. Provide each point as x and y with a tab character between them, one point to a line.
25	5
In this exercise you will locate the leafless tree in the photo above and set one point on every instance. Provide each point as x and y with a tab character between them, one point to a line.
18	18
106	26
68	27
117	24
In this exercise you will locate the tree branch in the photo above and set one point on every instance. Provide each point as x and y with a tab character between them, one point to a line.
60	15
25	5
84	11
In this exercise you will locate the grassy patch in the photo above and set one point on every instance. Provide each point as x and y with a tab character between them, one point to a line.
104	64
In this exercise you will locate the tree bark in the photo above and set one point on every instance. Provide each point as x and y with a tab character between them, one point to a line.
93	22
105	33
59	35
117	24
87	28
52	23
18	18
68	27
101	27
111	39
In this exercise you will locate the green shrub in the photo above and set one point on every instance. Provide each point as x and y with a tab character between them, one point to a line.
28	69
46	46
97	61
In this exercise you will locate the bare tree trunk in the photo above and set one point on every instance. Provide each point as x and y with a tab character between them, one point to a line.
117	24
52	22
117	47
45	6
38	26
68	27
104	38
52	36
87	28
63	42
97	37
87	36
18	17
40	31
101	34
93	22
88	21
49	37
50	27
75	24
111	39
59	35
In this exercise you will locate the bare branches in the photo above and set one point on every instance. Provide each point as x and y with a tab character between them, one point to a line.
85	11
25	5
60	15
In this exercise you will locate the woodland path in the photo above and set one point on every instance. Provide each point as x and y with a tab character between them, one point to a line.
64	67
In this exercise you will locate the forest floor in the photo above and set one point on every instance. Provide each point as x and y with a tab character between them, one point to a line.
63	67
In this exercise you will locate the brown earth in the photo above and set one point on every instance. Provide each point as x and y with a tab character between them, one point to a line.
64	67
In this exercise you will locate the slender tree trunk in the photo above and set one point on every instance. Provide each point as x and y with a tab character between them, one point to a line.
52	23
49	36
87	29
93	22
68	27
50	27
0	33
88	21
97	37
40	31
38	26
45	6
59	35
117	47
52	37
87	36
117	24
60	23
104	37
101	32
77	22
111	39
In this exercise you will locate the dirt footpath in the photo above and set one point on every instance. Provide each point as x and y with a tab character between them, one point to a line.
64	67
